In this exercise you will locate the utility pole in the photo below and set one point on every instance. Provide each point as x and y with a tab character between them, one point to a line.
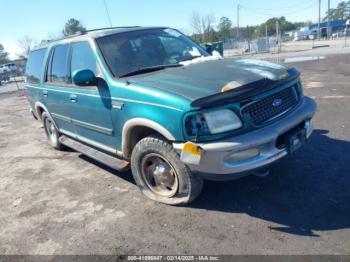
248	39
277	37
267	39
328	28
319	19
346	30
238	7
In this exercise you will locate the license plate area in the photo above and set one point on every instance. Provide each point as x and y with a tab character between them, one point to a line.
293	139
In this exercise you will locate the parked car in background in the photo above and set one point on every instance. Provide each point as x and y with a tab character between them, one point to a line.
8	68
6	71
338	34
152	99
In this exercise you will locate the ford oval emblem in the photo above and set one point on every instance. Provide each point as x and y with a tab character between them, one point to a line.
277	102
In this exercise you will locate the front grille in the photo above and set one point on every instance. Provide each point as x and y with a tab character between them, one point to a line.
271	106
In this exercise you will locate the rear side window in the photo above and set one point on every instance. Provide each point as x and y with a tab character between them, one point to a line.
35	66
58	70
82	57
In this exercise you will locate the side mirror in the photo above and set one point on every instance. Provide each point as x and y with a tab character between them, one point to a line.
84	77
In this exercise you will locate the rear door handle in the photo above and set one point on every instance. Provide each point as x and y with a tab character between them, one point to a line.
45	93
73	98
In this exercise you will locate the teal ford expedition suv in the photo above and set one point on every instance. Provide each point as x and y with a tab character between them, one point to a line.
153	100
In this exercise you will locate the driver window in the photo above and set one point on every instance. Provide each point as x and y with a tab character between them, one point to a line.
83	57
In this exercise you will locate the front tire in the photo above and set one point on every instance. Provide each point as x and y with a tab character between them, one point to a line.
161	175
51	131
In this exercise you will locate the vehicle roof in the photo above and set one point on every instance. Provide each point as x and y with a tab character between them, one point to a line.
95	33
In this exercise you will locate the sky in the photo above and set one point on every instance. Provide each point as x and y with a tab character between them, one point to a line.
41	19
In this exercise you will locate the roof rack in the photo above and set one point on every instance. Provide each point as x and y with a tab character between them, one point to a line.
46	41
43	42
107	28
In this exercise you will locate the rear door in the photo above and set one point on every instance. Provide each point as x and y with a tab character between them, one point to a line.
91	111
35	68
57	90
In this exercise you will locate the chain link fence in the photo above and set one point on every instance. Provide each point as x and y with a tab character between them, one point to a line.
259	45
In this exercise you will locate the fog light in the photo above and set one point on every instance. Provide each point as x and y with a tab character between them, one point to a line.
242	155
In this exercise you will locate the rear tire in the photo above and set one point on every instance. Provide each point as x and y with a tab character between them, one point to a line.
161	175
51	131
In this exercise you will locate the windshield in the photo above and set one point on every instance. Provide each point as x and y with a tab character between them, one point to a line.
132	51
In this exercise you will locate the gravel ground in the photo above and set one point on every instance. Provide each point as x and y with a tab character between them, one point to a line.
55	202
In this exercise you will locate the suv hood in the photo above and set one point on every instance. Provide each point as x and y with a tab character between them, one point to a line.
212	82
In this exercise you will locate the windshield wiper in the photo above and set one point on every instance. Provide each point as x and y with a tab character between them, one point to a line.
148	69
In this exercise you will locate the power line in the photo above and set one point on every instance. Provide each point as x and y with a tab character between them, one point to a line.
109	18
282	7
283	14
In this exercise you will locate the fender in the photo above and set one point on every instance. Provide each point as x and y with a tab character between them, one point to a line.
39	104
128	126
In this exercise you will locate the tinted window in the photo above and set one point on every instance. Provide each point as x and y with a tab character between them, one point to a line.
58	71
35	66
82	57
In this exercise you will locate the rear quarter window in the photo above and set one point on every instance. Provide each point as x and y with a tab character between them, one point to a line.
35	66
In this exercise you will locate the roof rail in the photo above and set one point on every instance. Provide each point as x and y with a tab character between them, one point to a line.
74	35
106	28
43	42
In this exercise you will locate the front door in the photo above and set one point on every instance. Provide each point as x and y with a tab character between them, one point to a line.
91	112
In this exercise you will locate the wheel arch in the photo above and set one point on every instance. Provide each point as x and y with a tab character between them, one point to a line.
137	128
40	108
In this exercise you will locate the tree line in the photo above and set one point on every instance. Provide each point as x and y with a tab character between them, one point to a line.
342	11
26	43
205	30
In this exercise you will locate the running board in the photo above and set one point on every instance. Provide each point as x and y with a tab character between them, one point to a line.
95	154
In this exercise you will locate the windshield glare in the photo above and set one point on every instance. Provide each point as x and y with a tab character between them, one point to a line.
131	51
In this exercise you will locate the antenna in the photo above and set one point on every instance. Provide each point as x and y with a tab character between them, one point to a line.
109	18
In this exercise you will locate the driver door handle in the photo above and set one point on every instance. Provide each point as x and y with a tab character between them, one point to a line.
73	98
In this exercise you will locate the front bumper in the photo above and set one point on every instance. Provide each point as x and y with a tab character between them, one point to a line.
215	161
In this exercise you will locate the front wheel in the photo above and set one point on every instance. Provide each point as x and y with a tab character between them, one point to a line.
161	175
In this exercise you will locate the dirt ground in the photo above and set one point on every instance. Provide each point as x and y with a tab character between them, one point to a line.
55	202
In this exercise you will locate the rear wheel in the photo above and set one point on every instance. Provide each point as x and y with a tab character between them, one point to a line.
161	175
51	131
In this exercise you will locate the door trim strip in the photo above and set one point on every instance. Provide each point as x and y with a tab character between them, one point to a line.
96	128
113	98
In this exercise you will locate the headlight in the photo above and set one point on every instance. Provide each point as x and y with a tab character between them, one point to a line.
214	122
